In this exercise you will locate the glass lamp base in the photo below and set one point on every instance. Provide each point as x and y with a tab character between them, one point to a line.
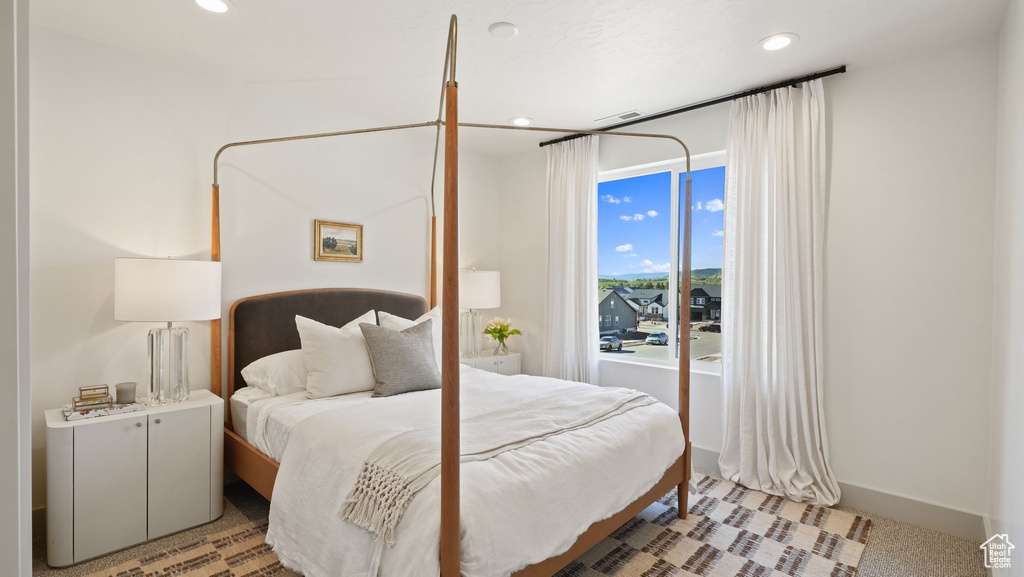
168	365
470	329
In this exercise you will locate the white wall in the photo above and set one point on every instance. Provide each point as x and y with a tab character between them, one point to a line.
908	333
523	253
1006	503
909	237
15	480
122	157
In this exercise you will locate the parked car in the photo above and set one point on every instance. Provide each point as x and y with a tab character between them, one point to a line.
657	339
609	343
711	328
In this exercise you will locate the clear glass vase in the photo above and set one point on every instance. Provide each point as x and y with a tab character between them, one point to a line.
501	349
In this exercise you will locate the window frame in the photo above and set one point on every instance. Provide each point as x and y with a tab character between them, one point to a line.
673	308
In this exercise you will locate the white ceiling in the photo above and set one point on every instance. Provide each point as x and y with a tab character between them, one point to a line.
573	61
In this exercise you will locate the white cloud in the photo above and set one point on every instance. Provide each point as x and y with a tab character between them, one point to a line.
698	206
646	262
717	233
657	268
626	217
627	199
638	216
624	247
714	205
611	199
632	254
652	213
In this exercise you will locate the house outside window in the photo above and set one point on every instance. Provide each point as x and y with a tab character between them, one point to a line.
639	252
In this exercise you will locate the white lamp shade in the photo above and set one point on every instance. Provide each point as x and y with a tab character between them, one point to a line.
166	290
479	289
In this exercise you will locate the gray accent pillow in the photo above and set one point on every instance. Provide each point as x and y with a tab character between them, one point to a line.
403	361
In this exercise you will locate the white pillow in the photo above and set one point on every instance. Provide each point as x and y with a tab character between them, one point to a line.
277	374
390	321
336	359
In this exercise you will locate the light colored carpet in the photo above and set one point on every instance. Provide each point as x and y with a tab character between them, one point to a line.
893	549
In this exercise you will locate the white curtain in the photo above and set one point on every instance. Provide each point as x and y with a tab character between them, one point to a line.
570	349
773	427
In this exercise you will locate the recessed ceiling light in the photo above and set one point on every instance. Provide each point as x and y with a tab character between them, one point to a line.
778	41
503	30
218	6
521	120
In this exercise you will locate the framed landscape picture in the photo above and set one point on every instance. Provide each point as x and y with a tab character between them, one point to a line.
338	241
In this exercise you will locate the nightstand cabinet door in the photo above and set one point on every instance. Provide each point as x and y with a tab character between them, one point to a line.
179	470
508	365
109	486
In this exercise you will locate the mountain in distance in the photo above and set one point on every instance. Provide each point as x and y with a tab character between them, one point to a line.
699	276
637	276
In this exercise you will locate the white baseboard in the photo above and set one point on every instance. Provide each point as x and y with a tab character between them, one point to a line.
705	459
929	515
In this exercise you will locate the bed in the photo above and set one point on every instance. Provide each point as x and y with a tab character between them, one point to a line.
580	486
263	325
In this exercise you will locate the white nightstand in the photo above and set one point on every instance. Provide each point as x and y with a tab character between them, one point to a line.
505	364
116	481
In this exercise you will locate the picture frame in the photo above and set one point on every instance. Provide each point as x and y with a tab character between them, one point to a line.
337	241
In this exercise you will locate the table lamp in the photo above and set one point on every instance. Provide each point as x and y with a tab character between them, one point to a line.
167	290
478	289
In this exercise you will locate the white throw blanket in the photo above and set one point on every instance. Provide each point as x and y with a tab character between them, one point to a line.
402	465
518	508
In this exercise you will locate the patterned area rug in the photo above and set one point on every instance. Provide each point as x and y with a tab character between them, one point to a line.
233	553
730	532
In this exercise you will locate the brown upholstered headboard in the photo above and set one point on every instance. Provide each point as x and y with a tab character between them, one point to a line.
265	324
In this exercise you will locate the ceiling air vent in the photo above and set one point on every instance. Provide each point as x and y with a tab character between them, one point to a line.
629	115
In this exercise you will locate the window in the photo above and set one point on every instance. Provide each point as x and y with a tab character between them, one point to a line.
613	303
616	319
639	230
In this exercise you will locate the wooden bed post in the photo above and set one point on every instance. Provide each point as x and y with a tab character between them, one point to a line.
215	348
683	493
450	449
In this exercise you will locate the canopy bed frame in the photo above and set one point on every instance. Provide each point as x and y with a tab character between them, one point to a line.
260	471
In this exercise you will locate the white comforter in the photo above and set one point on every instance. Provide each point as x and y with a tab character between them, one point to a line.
518	508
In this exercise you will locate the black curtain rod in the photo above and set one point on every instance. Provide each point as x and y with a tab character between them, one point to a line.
712	102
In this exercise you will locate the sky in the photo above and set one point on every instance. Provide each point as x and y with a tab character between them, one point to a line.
634	222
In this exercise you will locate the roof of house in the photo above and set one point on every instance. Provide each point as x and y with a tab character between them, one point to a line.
622	289
711	290
652	294
606	292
